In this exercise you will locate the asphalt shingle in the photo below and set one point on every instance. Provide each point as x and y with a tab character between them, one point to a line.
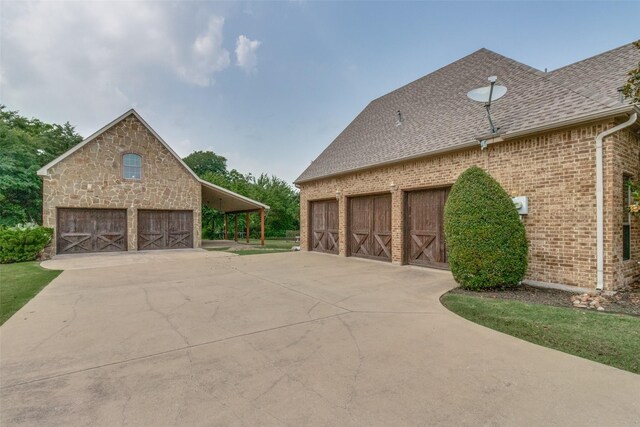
600	76
438	116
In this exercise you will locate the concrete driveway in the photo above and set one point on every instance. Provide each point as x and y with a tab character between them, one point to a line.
204	338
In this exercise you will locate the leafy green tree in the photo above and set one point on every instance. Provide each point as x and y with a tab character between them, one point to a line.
284	203
202	162
283	200
632	88
25	146
485	238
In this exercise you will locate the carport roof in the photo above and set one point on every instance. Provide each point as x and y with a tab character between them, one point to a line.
213	196
223	200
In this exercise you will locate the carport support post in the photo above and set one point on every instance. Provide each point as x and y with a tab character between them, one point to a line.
235	227
226	227
247	224
262	227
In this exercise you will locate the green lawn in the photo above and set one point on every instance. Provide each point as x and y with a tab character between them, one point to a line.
258	251
612	339
253	247
19	283
274	244
270	247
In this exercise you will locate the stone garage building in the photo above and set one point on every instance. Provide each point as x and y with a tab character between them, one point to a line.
567	141
123	188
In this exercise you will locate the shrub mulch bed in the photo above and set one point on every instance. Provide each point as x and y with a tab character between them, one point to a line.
625	301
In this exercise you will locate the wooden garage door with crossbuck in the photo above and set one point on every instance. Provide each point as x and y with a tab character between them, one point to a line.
165	229
370	227
324	226
424	228
91	230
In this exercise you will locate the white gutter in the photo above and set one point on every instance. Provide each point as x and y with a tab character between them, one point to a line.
600	198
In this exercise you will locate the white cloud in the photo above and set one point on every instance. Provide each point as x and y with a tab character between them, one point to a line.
208	56
246	57
98	58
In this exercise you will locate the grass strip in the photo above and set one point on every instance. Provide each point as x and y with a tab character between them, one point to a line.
19	283
259	251
611	339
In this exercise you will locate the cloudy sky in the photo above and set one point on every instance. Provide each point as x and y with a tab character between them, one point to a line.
267	84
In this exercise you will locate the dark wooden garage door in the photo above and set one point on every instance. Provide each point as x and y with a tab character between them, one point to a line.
370	227
324	226
165	229
91	230
424	232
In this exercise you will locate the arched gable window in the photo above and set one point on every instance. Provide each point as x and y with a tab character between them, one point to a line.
131	166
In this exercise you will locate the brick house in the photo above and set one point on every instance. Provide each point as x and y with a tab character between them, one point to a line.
124	189
378	190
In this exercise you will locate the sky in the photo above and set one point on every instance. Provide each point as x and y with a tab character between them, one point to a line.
268	85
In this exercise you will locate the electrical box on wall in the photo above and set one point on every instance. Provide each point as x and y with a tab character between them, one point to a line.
522	204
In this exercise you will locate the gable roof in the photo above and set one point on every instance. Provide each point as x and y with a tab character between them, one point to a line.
439	117
228	199
600	76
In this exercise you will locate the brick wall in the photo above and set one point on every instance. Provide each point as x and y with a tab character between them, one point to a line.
555	170
92	178
623	160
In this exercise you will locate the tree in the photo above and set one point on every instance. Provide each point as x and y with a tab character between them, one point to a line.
485	237
632	88
25	146
202	162
284	203
283	200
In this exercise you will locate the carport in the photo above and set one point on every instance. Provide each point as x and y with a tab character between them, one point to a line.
232	205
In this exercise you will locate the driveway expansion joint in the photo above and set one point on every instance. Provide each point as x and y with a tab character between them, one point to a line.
396	356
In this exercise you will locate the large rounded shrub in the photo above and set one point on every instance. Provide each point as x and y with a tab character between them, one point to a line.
485	238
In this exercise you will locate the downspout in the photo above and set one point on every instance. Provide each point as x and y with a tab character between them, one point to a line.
600	198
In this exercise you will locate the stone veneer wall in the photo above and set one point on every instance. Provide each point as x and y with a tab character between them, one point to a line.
92	178
556	170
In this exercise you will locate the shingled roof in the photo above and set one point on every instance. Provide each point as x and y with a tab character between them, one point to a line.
438	116
600	76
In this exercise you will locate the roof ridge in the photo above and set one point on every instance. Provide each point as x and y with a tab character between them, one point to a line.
430	73
606	101
591	57
522	65
516	62
548	78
